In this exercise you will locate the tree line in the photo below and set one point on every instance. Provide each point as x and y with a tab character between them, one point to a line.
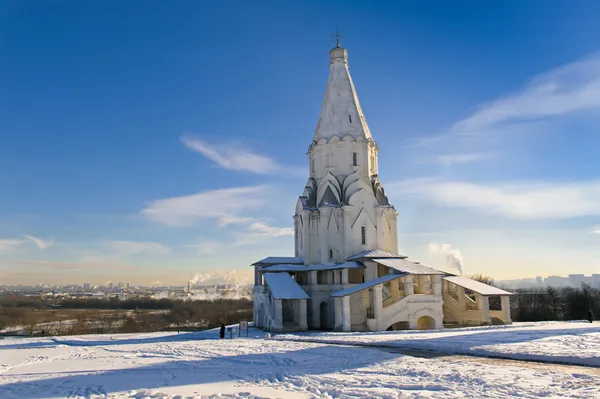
34	316
553	303
550	303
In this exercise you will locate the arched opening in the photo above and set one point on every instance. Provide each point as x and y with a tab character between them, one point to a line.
309	313
426	323
401	325
260	320
323	315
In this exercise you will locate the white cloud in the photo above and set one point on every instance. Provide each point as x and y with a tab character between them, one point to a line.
262	228
232	156
454	159
130	248
7	244
224	204
204	247
41	244
229	219
523	201
569	88
597	231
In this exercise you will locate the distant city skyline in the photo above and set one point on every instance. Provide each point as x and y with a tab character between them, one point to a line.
148	144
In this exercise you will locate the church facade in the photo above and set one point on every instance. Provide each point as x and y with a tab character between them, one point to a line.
346	273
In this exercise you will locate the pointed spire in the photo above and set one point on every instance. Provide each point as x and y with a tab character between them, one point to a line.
341	114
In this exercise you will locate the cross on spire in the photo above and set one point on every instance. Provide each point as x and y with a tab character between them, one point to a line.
337	37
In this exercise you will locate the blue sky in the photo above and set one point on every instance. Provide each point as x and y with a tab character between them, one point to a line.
147	142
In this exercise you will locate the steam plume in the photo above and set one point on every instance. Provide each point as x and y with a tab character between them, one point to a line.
453	256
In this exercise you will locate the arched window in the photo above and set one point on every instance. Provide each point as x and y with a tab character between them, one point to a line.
312	166
350	118
363	235
330	254
354	159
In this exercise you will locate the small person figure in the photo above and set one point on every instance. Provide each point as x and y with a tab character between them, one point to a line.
222	332
590	316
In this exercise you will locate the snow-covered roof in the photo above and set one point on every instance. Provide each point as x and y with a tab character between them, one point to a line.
283	286
308	268
406	266
275	260
341	114
476	286
367	284
375	253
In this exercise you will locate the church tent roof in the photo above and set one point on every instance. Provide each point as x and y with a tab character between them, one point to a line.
375	253
367	284
275	260
283	286
341	113
476	286
406	266
308	268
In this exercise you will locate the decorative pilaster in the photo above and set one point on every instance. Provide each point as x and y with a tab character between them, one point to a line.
346	318
506	308
339	322
323	237
485	307
377	301
302	322
313	277
437	286
344	276
409	288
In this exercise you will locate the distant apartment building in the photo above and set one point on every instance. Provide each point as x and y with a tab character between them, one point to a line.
556	281
539	281
577	279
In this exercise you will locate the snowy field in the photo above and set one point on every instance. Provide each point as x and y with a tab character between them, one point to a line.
196	365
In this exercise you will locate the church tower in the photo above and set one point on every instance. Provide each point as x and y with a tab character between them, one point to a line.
343	210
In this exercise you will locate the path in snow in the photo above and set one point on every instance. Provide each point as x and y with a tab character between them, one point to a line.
553	342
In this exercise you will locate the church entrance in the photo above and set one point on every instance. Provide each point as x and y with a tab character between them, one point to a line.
324	317
288	312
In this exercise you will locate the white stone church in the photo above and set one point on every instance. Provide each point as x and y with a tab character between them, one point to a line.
346	274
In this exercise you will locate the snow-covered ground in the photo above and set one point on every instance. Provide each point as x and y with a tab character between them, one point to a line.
559	342
196	365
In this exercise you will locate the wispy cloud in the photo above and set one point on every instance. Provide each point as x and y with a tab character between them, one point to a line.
41	244
232	156
189	209
597	231
229	219
131	248
7	244
455	159
206	246
264	229
523	200
569	88
48	266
